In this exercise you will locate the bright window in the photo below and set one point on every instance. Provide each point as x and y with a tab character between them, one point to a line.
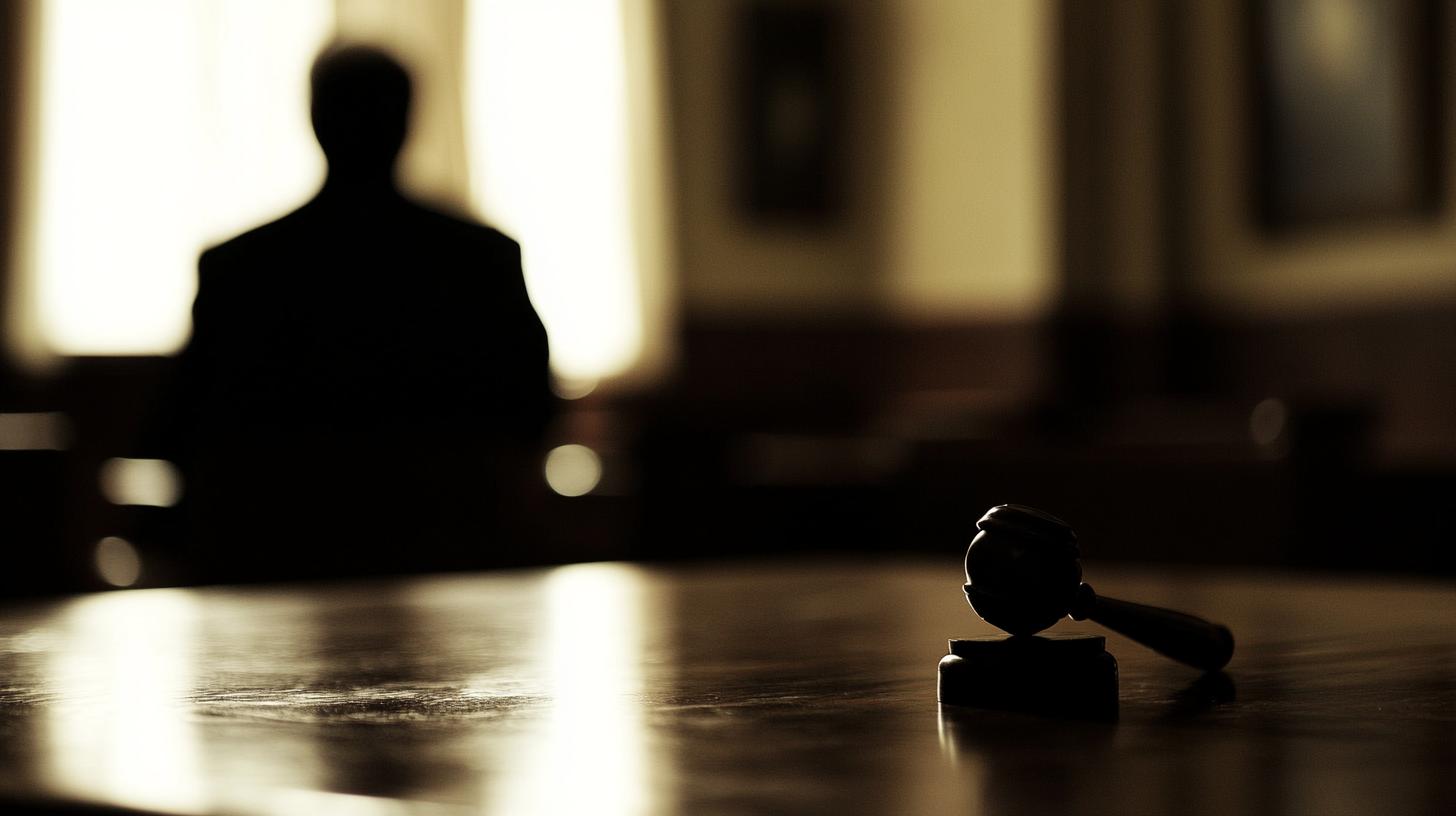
547	124
164	125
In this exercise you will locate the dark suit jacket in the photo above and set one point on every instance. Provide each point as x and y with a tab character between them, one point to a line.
365	380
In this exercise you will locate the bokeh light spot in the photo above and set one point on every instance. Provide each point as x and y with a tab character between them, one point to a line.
145	482
573	388
1267	421
117	561
573	470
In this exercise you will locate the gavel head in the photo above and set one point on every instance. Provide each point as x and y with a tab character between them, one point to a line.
1022	573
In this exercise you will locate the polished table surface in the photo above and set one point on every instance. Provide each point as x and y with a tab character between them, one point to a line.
800	687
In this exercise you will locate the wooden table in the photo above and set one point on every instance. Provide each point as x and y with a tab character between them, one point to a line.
806	687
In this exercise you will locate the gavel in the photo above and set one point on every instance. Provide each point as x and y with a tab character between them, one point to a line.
1022	576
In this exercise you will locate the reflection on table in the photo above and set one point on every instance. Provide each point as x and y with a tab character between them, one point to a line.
802	687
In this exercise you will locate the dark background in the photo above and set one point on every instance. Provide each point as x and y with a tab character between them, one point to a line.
1194	281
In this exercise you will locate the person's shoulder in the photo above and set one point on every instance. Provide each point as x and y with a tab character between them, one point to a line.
467	228
260	239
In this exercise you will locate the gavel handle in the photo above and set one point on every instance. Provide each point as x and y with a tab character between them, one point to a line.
1185	638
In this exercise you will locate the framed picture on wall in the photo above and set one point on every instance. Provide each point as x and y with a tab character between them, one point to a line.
1348	98
791	111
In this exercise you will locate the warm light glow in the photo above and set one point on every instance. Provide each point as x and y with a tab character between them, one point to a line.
571	388
970	223
45	430
164	125
573	470
147	482
547	124
117	561
124	732
1336	34
591	755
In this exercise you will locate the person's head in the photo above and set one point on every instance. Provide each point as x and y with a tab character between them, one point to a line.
361	102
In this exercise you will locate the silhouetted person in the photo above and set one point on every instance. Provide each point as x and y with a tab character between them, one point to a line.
366	384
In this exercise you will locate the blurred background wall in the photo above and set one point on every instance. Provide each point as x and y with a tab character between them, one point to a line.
819	274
